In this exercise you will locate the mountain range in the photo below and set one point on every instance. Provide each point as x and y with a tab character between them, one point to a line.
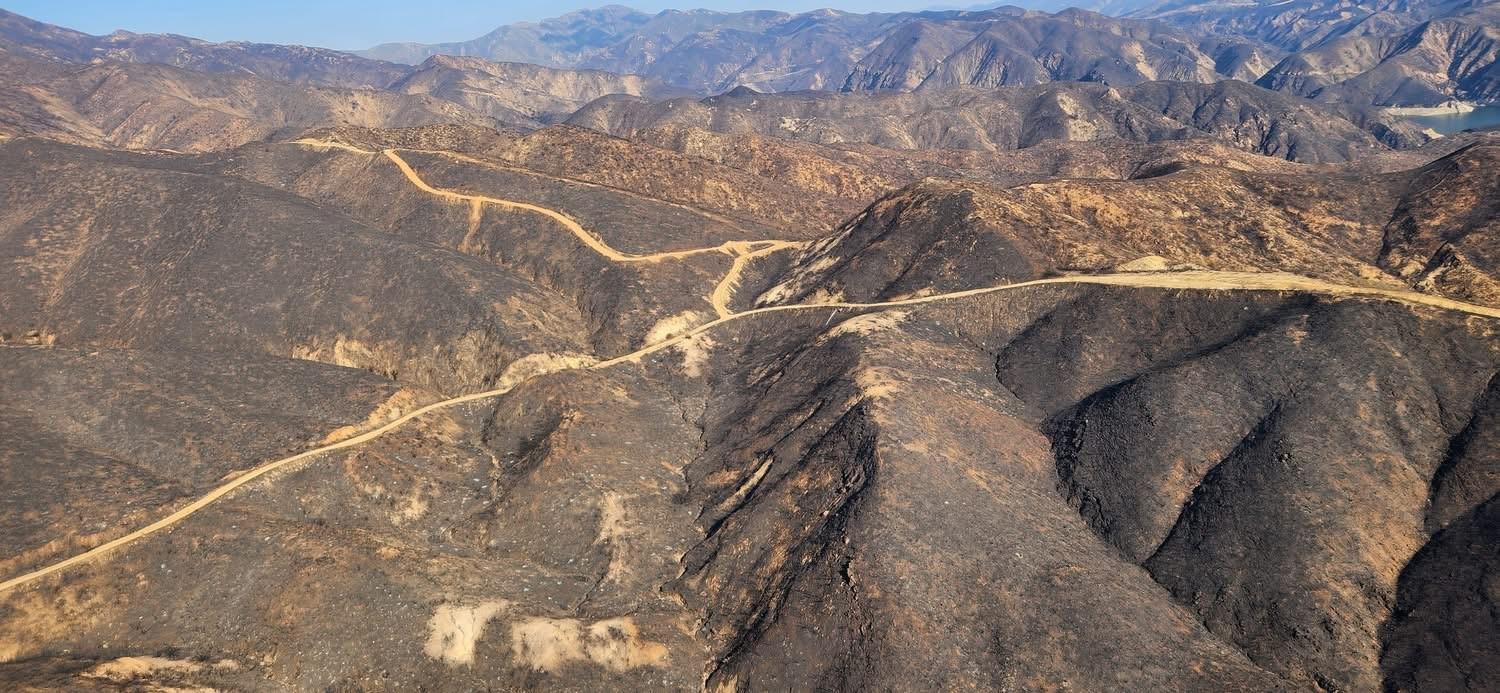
1253	119
772	51
1304	24
211	100
179	323
976	349
1400	53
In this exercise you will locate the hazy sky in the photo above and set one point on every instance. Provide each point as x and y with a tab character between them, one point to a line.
351	24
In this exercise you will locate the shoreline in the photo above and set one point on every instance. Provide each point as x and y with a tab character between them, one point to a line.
1450	108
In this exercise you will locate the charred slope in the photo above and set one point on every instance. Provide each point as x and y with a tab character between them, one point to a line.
100	440
777	186
855	174
1250	118
937	236
624	302
1282	527
861	499
145	252
1445	234
797	194
1276	124
860	494
1439	637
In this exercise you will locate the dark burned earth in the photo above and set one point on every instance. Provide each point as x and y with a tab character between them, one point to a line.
1024	351
450	409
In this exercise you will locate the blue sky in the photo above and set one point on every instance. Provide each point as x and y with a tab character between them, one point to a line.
351	24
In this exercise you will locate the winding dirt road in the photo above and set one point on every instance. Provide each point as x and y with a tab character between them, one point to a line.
742	252
497	166
1197	280
723	292
590	239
